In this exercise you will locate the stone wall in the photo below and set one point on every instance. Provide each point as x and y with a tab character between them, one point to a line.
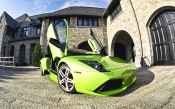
27	43
6	41
2	34
78	34
2	31
43	38
126	21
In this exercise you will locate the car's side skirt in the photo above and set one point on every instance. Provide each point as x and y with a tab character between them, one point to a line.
53	71
53	76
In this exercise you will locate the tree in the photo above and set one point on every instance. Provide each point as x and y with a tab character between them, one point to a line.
37	55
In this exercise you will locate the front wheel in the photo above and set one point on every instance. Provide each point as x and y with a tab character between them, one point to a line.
65	79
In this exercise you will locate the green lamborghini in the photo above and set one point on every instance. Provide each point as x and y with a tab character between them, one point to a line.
85	71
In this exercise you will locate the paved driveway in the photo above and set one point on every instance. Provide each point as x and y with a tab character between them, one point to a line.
25	88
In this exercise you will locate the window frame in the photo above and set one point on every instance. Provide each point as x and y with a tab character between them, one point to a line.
38	27
24	32
88	22
54	20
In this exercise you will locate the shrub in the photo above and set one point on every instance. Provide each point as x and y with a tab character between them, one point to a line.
37	55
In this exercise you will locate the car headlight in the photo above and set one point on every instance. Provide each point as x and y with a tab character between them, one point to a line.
96	65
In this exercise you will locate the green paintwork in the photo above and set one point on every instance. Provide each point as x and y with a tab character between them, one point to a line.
89	79
56	52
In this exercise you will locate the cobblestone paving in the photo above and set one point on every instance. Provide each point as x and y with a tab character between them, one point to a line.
24	88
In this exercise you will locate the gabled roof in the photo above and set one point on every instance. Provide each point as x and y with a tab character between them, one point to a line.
35	20
76	11
9	20
70	11
20	19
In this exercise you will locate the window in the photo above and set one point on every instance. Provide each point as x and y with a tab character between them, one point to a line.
10	32
90	22
56	21
80	22
38	30
87	22
116	11
24	32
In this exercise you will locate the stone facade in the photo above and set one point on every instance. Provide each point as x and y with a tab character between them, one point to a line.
134	19
28	49
22	47
78	34
3	28
10	38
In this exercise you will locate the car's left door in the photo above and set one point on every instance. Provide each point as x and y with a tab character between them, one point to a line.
57	36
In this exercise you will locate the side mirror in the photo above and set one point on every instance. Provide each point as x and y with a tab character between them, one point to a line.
56	43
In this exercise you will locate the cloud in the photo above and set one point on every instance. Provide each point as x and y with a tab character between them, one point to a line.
42	5
90	3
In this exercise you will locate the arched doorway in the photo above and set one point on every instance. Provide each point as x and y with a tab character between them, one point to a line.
22	52
123	47
12	50
162	30
85	46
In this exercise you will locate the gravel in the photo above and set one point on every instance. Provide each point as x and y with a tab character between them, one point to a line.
24	87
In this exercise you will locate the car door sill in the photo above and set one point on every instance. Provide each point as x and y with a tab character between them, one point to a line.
53	71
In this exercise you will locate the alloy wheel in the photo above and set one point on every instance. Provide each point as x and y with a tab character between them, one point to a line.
65	77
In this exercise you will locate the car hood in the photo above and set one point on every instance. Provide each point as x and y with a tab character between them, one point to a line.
109	62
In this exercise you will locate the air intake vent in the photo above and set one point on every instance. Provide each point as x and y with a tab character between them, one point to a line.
109	85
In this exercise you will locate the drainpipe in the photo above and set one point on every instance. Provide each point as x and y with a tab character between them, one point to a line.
139	31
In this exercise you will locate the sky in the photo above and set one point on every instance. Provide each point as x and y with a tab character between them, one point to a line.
16	8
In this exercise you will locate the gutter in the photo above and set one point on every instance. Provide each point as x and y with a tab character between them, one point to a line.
138	27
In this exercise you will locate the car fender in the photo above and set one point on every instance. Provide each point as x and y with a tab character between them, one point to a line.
84	76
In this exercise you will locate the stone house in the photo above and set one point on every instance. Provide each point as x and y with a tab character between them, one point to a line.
19	36
142	31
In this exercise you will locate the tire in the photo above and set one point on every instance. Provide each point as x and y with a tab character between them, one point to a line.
42	74
65	79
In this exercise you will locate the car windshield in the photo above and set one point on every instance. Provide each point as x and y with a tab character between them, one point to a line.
79	44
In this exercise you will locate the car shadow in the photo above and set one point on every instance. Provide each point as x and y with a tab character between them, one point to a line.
143	77
12	72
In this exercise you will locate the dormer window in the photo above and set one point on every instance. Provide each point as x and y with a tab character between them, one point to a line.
24	32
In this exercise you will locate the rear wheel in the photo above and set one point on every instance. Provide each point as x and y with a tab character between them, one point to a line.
65	79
